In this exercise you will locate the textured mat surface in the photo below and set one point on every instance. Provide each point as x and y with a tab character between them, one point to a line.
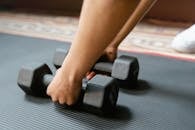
164	101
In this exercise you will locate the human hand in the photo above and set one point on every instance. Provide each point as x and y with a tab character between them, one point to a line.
109	54
64	88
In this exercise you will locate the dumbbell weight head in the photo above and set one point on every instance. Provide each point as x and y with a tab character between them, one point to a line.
101	93
33	79
59	57
126	69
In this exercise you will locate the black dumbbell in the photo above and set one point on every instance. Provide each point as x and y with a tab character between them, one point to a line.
99	94
125	68
59	57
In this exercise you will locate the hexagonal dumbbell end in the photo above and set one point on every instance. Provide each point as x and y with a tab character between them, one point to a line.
34	78
59	57
126	70
101	94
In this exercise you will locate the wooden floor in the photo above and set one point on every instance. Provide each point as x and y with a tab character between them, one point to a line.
150	36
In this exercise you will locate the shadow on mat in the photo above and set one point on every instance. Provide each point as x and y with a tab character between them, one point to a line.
178	95
37	100
121	117
141	88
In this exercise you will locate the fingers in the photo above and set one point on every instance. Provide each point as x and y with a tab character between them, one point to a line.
62	95
49	93
70	101
62	100
54	99
66	100
57	97
109	54
90	75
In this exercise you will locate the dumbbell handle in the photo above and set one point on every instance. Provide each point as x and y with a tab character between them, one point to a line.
103	66
60	55
47	78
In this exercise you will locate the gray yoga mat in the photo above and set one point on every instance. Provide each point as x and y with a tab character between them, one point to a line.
163	101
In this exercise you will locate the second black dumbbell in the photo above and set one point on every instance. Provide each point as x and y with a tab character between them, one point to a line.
125	68
99	94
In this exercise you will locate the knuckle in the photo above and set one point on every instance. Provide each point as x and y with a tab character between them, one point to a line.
62	101
48	92
70	102
54	99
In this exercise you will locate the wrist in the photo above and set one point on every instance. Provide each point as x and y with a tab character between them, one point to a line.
112	47
72	71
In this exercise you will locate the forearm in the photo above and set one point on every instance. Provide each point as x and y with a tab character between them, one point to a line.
142	8
100	21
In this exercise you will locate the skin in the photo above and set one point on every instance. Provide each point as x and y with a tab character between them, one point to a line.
94	38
